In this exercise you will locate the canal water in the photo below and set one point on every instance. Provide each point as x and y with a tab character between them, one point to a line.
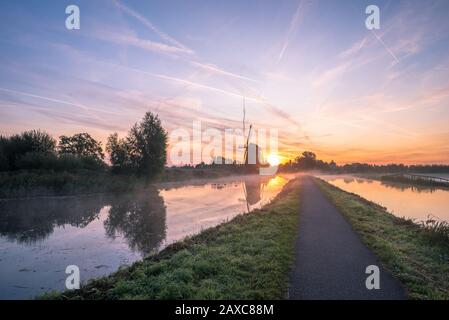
414	202
40	237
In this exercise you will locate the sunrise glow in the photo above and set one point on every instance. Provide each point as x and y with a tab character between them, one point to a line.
273	160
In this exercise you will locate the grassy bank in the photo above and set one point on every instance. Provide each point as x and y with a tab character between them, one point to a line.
418	255
35	183
248	257
415	181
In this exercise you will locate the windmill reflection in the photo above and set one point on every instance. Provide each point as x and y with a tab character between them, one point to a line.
140	219
253	189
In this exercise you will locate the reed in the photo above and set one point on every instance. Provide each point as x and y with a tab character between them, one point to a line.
435	229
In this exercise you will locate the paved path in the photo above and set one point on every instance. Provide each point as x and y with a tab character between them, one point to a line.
330	258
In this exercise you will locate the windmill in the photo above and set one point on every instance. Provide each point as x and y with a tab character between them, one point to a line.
250	147
245	146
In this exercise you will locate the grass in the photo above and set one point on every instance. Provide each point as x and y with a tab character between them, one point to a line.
249	257
417	254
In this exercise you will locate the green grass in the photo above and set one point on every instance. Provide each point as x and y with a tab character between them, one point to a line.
418	255
249	257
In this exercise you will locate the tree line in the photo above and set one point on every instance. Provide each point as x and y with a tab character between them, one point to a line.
309	161
142	151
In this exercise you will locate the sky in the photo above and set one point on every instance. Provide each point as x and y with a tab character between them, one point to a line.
309	69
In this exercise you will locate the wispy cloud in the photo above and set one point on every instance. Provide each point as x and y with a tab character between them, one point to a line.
354	49
146	22
50	99
129	39
173	47
293	28
215	69
331	74
390	52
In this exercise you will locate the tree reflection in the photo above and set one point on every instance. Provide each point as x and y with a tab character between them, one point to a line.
28	221
140	218
414	188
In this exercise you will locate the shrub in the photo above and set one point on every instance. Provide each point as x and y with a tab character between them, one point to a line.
65	162
17	146
35	160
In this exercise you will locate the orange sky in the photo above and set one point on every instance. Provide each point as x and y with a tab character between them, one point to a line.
310	70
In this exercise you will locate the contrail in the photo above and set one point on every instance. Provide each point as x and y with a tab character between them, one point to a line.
81	106
46	98
292	29
386	47
188	82
152	27
214	68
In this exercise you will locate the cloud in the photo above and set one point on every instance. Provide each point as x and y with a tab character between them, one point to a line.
45	98
293	28
331	74
389	50
59	117
153	28
215	69
129	39
354	49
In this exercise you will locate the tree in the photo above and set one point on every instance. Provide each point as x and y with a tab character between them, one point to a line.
119	155
17	146
81	144
4	164
307	160
147	143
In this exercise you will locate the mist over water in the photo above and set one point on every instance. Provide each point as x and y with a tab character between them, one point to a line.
40	237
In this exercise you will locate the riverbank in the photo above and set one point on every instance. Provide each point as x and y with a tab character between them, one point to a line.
38	183
249	257
417	180
418	255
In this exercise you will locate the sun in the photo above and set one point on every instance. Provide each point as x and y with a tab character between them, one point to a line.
273	159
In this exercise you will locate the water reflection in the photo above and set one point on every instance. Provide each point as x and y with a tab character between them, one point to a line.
415	202
140	219
40	237
28	221
253	190
405	187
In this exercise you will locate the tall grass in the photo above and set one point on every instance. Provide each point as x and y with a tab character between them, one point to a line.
435	229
